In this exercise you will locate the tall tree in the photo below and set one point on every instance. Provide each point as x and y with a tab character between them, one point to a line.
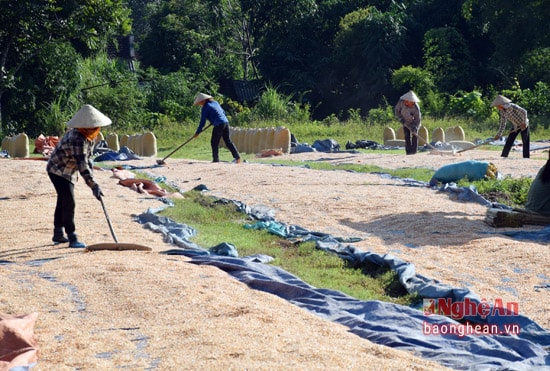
197	35
515	29
447	58
290	38
368	46
27	26
43	93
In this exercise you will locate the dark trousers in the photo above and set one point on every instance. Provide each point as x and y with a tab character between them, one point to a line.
65	205
219	132
411	141
510	142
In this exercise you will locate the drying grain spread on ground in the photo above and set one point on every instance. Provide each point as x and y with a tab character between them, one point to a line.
136	310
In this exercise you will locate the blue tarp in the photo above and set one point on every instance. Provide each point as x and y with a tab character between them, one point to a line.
542	235
393	325
124	154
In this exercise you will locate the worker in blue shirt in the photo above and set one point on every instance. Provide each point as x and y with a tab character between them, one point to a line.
213	112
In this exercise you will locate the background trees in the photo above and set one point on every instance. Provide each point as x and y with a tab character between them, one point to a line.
40	43
377	40
514	29
334	57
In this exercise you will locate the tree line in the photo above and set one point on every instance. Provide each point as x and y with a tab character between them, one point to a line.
333	58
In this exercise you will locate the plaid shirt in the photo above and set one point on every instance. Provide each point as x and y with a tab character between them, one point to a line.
408	116
72	153
513	113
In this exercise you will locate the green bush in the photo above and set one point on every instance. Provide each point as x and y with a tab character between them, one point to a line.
272	109
534	67
49	81
509	191
469	105
113	89
171	94
413	78
381	115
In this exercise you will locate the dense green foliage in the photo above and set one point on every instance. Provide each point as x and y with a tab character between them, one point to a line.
41	42
329	61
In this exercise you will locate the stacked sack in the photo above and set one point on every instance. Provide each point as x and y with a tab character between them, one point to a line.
140	144
17	146
252	140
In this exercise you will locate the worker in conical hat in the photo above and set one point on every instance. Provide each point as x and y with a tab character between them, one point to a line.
517	115
408	113
213	112
72	155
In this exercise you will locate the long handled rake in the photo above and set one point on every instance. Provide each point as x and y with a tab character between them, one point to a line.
487	141
433	150
114	246
162	162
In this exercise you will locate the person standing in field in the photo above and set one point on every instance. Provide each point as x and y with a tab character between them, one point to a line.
72	155
213	112
408	113
509	111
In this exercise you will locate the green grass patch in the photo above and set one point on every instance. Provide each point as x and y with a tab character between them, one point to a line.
508	191
217	221
418	173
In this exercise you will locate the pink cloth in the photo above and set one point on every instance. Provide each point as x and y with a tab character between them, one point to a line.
18	345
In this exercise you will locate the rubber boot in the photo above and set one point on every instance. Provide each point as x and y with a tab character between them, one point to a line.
59	236
74	242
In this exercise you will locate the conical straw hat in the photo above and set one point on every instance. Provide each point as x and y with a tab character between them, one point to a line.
410	96
200	97
88	117
500	100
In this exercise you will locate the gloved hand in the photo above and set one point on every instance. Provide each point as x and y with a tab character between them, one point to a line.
196	135
97	192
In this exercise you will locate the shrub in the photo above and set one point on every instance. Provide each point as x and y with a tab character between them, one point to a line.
417	79
535	101
508	191
381	115
470	105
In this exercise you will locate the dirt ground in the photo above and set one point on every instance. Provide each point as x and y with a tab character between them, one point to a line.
147	310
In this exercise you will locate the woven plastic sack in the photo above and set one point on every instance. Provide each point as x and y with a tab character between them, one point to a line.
473	170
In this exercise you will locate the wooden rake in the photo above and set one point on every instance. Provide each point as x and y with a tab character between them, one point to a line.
435	151
477	145
116	246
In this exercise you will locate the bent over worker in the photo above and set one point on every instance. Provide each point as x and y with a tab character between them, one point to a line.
213	112
408	113
71	155
538	197
509	111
